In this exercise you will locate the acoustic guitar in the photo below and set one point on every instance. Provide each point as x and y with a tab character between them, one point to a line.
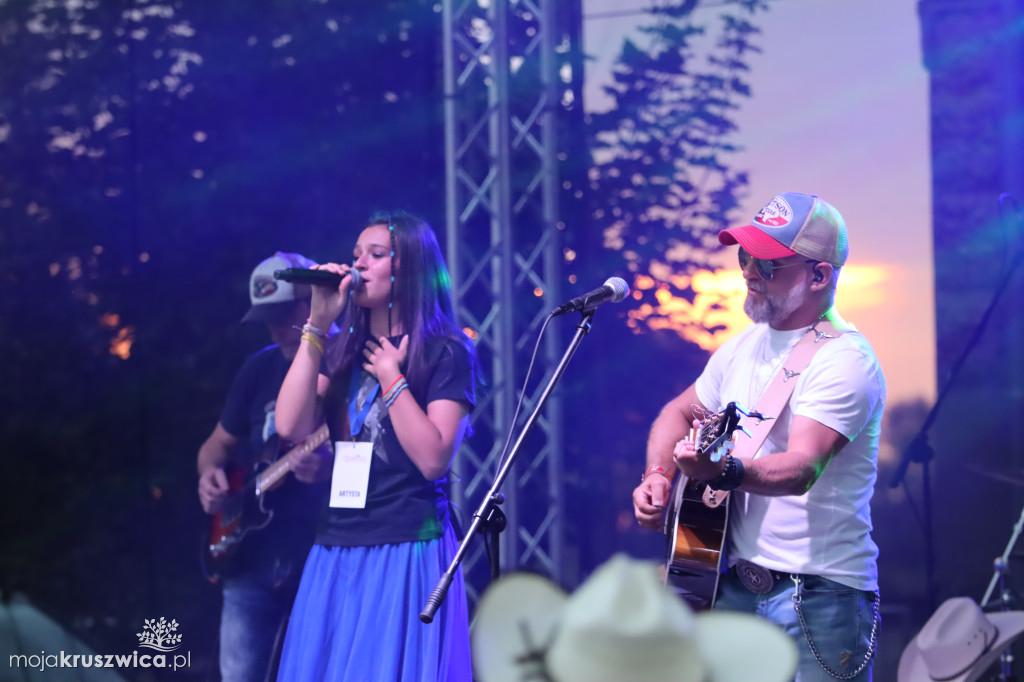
695	530
244	511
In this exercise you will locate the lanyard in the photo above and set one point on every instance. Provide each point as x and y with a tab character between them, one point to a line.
356	417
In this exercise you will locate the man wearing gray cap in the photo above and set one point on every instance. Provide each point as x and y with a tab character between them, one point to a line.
798	547
259	540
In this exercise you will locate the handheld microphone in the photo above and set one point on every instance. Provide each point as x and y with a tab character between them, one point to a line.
614	289
322	278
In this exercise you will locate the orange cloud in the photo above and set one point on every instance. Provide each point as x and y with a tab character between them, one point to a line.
716	311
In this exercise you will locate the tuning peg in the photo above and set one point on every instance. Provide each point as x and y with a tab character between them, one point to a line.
722	450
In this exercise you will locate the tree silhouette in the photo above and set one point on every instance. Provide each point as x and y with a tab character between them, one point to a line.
661	173
151	153
660	188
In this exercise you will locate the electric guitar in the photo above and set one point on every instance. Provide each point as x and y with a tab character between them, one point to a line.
695	529
244	510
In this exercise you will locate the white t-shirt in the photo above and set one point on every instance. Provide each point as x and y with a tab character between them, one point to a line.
826	531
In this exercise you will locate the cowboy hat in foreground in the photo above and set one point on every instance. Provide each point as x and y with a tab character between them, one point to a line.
621	625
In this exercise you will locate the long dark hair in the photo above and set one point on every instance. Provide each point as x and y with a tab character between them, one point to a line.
421	290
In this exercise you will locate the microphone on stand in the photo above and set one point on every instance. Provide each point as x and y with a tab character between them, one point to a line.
320	278
613	290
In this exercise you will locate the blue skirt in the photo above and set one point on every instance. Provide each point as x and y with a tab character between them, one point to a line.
356	617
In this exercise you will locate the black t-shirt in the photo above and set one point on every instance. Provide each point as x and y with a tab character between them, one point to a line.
401	505
248	414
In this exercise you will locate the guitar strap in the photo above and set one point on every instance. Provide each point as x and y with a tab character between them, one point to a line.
778	393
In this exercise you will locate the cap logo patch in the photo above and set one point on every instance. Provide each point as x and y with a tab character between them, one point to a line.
777	213
262	287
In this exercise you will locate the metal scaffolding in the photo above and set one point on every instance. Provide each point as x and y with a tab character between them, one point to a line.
501	98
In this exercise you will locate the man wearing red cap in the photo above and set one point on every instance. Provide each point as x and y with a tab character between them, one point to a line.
798	546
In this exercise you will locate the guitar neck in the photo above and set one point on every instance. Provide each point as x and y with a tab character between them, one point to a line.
280	468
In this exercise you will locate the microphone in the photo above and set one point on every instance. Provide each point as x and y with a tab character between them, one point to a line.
321	278
614	289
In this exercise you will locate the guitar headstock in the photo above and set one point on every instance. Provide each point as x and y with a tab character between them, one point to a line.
715	436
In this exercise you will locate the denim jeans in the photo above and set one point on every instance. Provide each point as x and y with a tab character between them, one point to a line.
253	620
838	620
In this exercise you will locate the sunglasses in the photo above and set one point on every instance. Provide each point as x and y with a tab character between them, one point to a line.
766	268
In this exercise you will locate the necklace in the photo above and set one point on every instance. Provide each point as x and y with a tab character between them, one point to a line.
768	360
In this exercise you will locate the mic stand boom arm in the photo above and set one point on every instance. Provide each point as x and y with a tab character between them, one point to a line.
493	497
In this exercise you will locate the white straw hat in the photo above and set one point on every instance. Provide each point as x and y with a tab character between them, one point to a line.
621	625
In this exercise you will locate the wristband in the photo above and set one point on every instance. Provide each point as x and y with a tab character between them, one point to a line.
394	389
313	329
401	377
655	469
394	394
315	342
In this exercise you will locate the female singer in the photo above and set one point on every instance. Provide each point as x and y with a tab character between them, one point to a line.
395	387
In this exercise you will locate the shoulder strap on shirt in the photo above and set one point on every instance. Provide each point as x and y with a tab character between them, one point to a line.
755	427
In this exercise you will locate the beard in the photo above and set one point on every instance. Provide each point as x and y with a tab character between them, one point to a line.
774	308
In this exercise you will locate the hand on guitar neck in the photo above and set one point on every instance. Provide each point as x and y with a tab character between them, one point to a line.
703	464
217	485
310	466
655	490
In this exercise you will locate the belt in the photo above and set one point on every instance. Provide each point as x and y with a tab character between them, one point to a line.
758	579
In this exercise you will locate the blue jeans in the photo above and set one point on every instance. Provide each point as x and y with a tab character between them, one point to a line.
838	619
253	620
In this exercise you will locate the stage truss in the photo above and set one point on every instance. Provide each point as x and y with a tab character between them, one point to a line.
505	79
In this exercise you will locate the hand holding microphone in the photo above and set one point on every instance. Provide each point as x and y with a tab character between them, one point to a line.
327	300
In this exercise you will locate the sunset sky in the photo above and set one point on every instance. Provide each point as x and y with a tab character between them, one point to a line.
847	120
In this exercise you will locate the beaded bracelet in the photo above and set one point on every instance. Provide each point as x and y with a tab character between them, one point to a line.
316	343
731	476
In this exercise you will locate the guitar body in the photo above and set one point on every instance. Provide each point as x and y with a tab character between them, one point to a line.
695	541
245	511
695	529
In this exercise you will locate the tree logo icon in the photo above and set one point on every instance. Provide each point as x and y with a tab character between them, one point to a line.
159	635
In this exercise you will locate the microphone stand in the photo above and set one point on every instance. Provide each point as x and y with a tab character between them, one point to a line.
921	451
488	513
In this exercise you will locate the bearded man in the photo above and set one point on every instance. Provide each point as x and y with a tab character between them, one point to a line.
798	540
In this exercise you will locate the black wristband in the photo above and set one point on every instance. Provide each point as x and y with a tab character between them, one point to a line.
731	476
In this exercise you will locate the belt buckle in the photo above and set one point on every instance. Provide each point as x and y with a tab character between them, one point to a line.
757	579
